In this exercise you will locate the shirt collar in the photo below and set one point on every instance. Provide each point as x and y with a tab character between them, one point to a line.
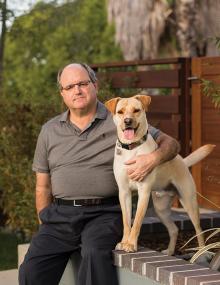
101	113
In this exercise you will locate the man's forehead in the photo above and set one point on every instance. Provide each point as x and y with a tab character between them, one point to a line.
74	70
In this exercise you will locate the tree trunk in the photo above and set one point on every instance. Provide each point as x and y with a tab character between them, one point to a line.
2	40
139	25
197	26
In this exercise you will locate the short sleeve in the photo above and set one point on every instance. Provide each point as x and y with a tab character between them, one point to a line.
154	132
40	162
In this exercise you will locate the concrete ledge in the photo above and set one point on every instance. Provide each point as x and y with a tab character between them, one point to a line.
145	267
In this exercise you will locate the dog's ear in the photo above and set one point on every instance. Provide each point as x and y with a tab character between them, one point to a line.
145	100
111	104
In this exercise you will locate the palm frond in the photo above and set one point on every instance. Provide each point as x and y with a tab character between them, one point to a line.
212	234
195	236
204	249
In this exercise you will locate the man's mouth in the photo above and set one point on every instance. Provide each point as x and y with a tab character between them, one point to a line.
129	133
78	98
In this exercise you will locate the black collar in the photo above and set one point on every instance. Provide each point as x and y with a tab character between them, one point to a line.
134	144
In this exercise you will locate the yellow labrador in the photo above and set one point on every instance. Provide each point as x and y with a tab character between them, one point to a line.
133	139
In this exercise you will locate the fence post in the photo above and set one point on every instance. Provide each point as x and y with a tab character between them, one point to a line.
185	105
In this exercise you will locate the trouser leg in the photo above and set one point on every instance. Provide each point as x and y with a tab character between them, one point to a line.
50	249
41	267
98	239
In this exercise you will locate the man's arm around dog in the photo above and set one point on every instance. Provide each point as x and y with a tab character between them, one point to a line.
141	165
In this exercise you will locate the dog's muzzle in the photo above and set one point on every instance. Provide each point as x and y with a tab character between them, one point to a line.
128	122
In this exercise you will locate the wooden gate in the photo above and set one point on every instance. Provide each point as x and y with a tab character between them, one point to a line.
206	129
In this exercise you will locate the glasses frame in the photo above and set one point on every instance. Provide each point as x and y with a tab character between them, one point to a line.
81	84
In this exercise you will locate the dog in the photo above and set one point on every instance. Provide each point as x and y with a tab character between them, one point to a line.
129	115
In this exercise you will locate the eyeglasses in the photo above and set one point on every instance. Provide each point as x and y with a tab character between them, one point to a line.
81	84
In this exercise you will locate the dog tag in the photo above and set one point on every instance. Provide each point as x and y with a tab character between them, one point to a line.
118	151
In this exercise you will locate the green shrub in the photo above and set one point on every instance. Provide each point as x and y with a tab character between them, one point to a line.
19	128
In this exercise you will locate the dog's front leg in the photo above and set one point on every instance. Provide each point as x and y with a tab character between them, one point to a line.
143	199
126	207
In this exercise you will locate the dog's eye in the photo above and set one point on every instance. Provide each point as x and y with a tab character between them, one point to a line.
136	110
120	112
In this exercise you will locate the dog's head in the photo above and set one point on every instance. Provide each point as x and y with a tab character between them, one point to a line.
129	117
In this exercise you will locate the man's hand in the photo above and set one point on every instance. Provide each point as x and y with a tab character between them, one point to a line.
141	165
43	192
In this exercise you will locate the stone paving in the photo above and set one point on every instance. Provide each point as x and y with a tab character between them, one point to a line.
9	277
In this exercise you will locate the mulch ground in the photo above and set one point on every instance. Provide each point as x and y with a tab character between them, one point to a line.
159	241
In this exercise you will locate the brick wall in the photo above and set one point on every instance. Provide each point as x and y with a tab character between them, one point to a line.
167	270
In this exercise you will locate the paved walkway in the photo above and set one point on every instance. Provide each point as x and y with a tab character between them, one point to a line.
9	277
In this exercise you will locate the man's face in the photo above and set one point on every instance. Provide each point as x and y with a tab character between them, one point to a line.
78	91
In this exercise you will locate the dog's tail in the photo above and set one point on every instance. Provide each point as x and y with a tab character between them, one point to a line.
198	154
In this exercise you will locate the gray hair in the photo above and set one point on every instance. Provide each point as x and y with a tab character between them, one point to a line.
90	71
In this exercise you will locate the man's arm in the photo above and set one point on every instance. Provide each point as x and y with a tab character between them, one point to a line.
142	165
43	191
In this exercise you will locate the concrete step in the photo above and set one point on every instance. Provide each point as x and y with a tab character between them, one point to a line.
9	277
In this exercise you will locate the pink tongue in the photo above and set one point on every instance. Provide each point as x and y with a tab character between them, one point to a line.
129	134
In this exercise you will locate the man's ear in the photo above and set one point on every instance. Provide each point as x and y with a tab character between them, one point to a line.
111	104
96	86
145	100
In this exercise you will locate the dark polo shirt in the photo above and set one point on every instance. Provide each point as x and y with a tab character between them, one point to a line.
80	163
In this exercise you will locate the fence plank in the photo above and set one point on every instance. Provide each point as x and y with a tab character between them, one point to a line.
164	104
142	79
136	63
205	123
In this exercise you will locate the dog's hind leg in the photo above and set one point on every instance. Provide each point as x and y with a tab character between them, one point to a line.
188	199
162	201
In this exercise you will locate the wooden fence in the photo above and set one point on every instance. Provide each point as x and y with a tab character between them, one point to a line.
170	113
206	129
183	113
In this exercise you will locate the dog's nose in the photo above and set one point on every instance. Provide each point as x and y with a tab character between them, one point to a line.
128	121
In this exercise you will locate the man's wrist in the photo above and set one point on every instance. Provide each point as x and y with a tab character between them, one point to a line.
157	157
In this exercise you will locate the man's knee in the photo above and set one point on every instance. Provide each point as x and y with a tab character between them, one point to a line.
95	252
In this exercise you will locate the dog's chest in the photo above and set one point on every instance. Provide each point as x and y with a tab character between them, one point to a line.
123	155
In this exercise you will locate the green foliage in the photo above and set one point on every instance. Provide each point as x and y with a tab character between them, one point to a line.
217	42
18	132
38	44
8	252
212	90
50	36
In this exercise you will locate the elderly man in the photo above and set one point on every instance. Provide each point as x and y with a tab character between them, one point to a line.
76	193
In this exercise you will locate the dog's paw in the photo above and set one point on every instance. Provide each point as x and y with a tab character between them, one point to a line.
128	247
119	246
167	252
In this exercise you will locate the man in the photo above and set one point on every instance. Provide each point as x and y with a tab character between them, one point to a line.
76	194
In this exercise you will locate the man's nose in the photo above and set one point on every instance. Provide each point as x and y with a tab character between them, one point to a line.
77	89
128	121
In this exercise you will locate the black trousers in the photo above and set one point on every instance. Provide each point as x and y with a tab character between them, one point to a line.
94	230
